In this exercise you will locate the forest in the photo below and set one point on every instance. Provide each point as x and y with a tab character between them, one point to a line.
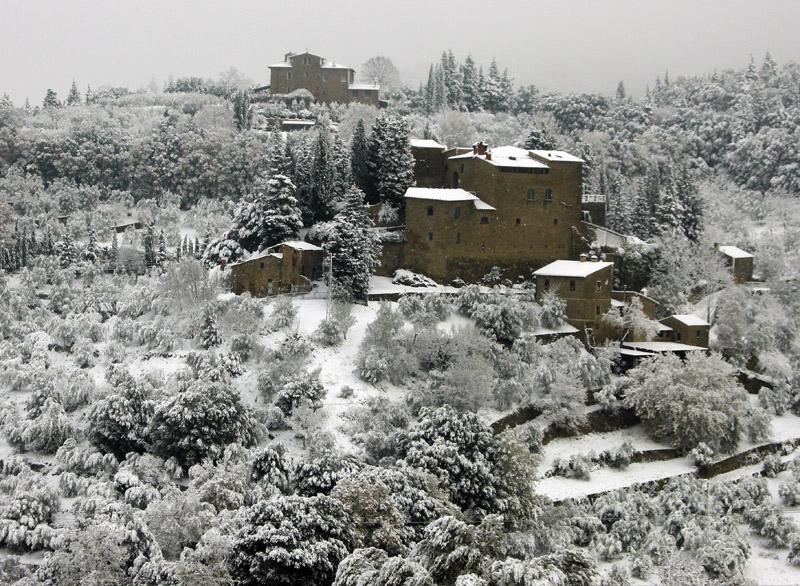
158	430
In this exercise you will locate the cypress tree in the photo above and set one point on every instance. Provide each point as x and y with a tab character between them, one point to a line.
74	96
359	150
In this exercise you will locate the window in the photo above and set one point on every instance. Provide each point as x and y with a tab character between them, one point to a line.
430	236
457	212
344	79
548	195
306	61
572	285
324	77
289	75
462	167
519	221
305	73
599	285
262	265
546	284
697	334
367	93
555	221
530	195
484	219
597	310
458	240
355	93
679	336
430	210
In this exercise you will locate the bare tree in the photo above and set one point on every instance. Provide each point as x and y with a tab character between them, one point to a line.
382	70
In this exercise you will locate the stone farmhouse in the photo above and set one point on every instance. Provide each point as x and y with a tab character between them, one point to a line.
288	267
473	209
327	81
740	261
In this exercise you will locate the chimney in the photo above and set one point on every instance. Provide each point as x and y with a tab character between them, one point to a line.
594	258
583	257
479	148
488	156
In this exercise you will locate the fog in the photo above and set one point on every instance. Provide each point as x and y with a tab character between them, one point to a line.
581	45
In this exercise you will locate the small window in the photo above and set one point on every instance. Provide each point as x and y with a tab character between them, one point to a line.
457	212
430	236
484	219
262	265
530	195
430	210
697	334
519	221
572	285
289	75
367	93
344	79
324	77
597	310
548	195
458	237
305	73
555	221
355	93
462	167
306	61
599	285
679	336
547	284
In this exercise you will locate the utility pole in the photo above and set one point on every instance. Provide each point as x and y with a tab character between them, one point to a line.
330	287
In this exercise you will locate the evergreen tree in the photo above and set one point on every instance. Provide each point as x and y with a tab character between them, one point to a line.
439	89
470	86
114	251
91	246
494	90
430	91
74	96
323	174
51	99
149	243
540	139
275	157
282	218
242	110
67	254
359	151
692	218
670	211
353	249
161	251
621	93
391	162
48	245
210	335
452	81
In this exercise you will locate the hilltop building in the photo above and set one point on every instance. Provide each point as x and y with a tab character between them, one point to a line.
327	81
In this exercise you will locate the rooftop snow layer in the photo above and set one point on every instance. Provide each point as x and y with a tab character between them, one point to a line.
506	156
558	156
661	346
298	244
364	86
734	252
690	320
440	194
426	143
571	268
482	205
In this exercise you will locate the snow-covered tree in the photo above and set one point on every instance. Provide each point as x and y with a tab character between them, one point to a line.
200	421
631	321
391	164
291	541
74	96
118	422
209	334
352	248
359	154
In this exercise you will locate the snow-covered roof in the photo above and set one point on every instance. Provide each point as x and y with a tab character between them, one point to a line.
276	254
571	268
734	252
482	205
663	328
558	156
299	122
281	64
564	328
506	156
634	353
689	319
617	303
440	194
299	245
426	143
364	86
662	346
333	65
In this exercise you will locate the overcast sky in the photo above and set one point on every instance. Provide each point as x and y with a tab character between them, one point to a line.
578	45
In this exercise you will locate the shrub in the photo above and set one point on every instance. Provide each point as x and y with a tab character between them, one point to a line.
284	314
425	309
49	430
118	422
577	466
789	491
619	457
301	388
772	466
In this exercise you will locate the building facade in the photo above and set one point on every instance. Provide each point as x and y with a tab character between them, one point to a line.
505	207
585	285
687	329
284	268
327	81
741	263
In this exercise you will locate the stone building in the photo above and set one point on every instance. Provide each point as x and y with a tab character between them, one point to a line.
284	268
585	285
327	81
686	329
505	207
741	263
429	157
